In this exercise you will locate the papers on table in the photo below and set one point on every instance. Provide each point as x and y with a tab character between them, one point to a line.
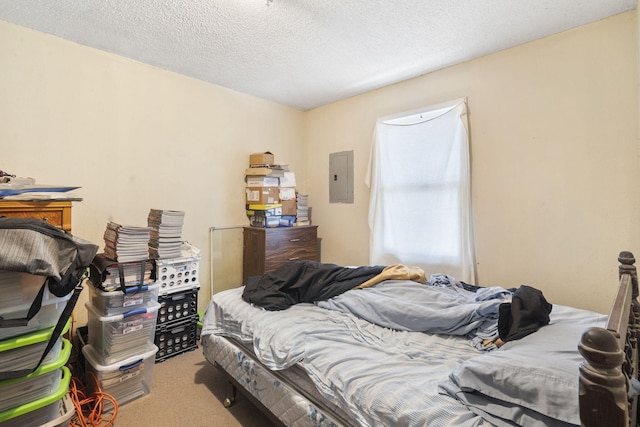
37	192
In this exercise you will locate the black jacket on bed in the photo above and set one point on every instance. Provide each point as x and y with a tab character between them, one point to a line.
304	281
527	312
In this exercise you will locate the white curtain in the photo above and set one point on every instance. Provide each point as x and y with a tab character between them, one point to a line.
420	180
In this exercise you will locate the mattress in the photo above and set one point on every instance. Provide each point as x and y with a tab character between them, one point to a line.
309	339
289	394
371	375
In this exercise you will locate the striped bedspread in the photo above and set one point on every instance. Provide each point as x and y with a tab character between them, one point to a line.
379	375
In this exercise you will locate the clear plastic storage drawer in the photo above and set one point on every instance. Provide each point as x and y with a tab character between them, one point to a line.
118	337
117	302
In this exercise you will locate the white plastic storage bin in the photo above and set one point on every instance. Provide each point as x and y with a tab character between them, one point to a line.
24	351
17	292
175	274
67	411
118	337
127	380
117	302
37	385
41	412
18	288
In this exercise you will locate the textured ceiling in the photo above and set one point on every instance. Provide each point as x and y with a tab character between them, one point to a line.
304	53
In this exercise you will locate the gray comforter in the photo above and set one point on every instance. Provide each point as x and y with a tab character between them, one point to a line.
440	306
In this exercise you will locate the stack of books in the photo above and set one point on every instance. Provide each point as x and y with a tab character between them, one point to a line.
303	211
126	243
166	233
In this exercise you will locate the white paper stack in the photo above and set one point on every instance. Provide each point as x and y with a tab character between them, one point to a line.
303	211
126	243
166	233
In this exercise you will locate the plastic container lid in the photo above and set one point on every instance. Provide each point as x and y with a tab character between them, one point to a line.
31	338
131	290
24	351
116	317
45	367
63	387
90	353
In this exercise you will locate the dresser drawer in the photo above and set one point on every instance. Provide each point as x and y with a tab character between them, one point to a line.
266	249
277	259
55	213
278	239
283	245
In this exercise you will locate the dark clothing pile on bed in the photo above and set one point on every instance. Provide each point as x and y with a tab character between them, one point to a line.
310	282
526	313
304	281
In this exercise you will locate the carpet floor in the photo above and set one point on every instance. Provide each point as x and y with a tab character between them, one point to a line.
188	391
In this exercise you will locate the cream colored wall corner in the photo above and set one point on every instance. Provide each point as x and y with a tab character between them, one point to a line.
134	137
554	145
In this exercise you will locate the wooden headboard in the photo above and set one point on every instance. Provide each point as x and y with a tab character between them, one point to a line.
611	358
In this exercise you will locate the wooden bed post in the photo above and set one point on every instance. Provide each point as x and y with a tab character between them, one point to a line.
603	387
630	368
611	357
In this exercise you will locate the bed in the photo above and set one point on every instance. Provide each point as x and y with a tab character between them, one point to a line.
354	359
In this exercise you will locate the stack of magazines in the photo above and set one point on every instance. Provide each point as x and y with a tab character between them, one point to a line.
166	233
126	243
303	211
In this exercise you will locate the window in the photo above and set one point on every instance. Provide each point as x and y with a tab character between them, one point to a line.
420	206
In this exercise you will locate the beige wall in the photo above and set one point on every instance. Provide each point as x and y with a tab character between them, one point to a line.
553	127
553	139
133	137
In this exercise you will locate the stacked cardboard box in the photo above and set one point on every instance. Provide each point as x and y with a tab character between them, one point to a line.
267	215
288	197
270	192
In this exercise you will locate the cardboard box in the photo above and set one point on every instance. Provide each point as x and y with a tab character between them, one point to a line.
266	158
289	207
274	209
264	221
256	171
287	221
262	195
287	193
264	215
262	181
288	179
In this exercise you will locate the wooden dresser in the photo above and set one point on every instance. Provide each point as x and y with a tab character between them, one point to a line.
55	213
266	249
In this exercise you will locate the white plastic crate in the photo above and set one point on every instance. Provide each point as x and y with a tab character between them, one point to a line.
127	380
117	302
174	274
17	292
41	412
118	337
44	381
